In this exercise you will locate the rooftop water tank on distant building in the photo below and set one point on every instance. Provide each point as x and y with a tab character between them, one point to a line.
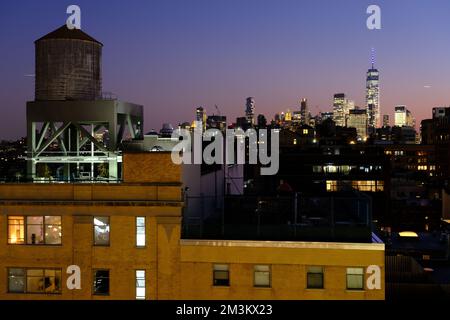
166	130
68	66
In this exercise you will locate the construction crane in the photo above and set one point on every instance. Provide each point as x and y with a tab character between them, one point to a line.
217	108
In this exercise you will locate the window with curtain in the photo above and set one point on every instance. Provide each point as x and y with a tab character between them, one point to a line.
355	278
262	276
221	275
314	278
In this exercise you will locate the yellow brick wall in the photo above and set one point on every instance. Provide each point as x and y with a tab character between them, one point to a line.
288	269
179	269
175	269
122	257
144	167
288	283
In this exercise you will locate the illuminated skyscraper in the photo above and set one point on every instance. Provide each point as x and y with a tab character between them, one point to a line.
200	115
404	117
357	118
288	116
373	96
340	109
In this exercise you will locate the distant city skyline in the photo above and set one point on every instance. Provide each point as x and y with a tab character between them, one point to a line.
173	56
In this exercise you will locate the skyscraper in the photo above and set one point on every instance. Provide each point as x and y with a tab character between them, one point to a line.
200	115
288	116
340	109
403	117
304	112
373	96
262	121
357	118
250	110
386	120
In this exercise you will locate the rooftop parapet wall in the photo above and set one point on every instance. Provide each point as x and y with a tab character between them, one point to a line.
283	252
89	192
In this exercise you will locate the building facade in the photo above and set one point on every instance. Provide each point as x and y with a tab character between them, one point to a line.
340	109
403	117
125	239
357	118
373	97
386	121
304	112
250	111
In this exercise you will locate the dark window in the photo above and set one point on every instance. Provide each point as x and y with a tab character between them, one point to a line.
101	282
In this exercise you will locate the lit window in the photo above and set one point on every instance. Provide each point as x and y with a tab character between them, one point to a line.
101	231
40	280
355	278
344	169
34	280
52	230
16	230
22	280
332	185
262	276
101	282
43	230
380	186
305	131
295	141
140	284
314	278
140	231
35	232
368	186
221	275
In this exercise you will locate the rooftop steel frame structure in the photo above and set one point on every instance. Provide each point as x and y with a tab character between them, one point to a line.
61	131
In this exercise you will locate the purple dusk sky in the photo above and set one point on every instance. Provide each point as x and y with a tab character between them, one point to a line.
172	56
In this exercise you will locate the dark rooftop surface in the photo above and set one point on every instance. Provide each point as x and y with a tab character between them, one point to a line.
65	33
435	245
